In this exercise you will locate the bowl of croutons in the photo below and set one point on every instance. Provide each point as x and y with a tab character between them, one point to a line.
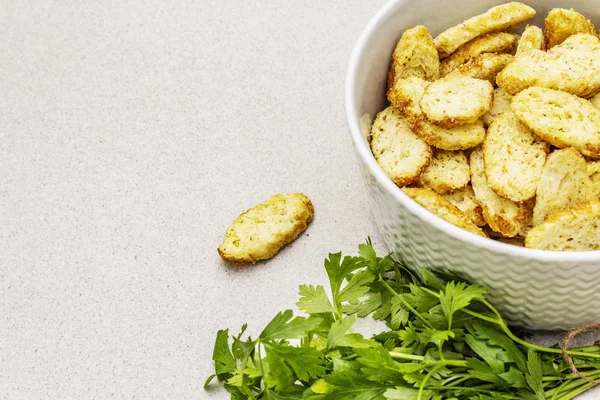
477	129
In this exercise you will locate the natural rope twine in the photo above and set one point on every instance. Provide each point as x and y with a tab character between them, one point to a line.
568	358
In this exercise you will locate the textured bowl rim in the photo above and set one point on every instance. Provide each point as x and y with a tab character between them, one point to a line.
382	179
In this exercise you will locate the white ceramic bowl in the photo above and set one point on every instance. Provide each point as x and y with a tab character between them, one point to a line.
532	288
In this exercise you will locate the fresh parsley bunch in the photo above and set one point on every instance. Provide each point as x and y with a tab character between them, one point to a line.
444	341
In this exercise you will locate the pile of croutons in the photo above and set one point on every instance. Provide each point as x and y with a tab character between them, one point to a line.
499	133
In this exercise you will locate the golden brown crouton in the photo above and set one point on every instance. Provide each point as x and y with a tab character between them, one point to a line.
595	101
464	199
560	118
485	66
571	229
594	174
400	153
561	23
495	19
516	241
497	42
448	170
441	207
532	38
503	215
514	158
415	55
564	183
501	104
573	67
260	232
406	95
456	100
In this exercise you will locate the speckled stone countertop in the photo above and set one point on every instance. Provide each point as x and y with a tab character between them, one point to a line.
132	133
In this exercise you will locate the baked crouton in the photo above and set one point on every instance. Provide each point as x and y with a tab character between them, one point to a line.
260	232
565	182
399	152
560	118
406	95
573	67
415	55
516	241
456	100
514	158
594	174
561	23
503	215
497	42
532	38
441	207
501	104
496	19
595	101
486	66
572	229
464	199
448	170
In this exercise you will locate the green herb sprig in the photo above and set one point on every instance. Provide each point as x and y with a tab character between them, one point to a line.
444	341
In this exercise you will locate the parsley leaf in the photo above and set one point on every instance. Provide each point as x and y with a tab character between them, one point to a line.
363	308
284	327
419	299
534	374
429	279
305	362
271	395
405	393
378	366
356	287
224	362
369	256
457	296
399	314
314	300
480	370
436	337
280	375
488	353
338	338
514	378
496	338
338	269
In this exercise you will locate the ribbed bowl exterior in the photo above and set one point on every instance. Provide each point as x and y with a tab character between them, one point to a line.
532	293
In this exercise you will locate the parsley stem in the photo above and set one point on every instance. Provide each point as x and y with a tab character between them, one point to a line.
455	363
429	374
412	357
408	306
569	377
403	356
571	384
458	381
480	316
557	390
260	361
482	388
574	389
594	348
500	322
577	392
